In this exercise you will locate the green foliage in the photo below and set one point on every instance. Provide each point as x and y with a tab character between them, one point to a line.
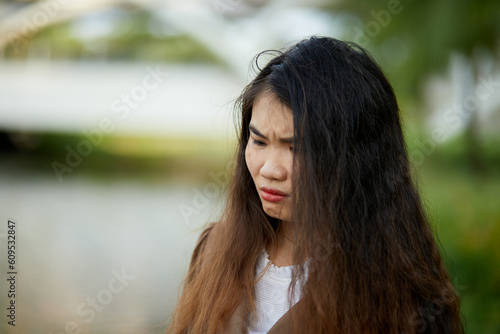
464	210
429	29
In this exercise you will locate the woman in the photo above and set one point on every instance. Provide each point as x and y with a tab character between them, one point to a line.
321	201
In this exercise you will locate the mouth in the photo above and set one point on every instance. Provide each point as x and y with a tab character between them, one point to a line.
272	195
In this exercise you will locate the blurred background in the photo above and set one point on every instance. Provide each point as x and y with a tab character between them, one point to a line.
117	134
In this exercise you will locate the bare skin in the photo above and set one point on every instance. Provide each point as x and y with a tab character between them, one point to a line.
269	158
283	256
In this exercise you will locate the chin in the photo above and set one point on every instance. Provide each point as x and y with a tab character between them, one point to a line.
275	214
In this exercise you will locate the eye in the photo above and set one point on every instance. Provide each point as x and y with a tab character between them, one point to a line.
258	142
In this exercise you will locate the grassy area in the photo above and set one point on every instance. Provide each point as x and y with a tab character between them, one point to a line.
147	159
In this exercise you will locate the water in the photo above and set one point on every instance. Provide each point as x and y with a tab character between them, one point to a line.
96	257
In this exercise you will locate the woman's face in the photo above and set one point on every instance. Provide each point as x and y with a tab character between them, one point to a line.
269	154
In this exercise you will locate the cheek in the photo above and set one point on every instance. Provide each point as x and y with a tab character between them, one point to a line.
251	160
289	165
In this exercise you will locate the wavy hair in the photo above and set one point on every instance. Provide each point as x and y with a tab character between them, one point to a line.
375	265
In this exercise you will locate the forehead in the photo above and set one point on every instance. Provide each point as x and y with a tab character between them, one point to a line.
270	115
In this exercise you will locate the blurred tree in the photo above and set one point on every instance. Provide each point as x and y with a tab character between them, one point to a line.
431	30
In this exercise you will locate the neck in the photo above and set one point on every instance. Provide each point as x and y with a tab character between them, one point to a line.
281	254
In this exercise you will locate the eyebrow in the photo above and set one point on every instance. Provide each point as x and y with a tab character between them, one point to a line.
258	133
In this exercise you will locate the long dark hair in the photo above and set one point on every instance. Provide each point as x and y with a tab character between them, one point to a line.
374	264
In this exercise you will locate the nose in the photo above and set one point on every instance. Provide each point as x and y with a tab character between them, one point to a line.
273	168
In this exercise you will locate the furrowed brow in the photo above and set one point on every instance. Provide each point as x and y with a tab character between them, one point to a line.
255	131
287	140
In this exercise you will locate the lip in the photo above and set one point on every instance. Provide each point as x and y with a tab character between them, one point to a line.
272	195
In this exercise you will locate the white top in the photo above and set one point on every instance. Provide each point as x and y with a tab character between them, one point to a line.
271	294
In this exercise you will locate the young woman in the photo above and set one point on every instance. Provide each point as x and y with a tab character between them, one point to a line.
323	231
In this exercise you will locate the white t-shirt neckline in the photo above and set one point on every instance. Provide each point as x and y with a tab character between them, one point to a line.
271	293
